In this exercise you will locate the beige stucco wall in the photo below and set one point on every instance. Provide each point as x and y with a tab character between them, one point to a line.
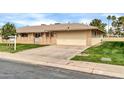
43	40
46	40
76	38
96	41
26	40
71	38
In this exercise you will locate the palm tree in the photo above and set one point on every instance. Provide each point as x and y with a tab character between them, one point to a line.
113	18
114	21
109	18
7	30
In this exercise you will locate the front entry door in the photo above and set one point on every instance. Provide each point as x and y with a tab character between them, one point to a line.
37	38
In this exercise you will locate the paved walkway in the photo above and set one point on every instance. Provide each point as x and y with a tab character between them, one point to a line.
57	61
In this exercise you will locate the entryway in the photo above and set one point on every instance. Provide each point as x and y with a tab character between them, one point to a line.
37	38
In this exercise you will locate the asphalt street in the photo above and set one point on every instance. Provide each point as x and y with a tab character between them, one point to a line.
10	69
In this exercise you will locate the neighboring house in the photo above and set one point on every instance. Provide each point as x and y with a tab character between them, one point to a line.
60	34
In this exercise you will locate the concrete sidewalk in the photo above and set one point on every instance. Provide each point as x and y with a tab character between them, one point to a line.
95	68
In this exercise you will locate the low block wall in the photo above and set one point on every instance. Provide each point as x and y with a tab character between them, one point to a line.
114	39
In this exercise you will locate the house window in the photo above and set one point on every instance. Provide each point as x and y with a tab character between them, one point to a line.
37	35
47	34
52	34
24	35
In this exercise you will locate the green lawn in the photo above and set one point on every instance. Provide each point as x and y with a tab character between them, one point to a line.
20	47
113	50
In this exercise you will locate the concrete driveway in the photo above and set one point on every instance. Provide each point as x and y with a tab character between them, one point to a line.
58	52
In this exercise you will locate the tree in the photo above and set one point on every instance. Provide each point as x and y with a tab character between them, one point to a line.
113	18
8	30
109	18
0	32
110	31
98	23
121	20
116	26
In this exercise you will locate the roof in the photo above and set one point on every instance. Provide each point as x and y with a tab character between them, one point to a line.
55	27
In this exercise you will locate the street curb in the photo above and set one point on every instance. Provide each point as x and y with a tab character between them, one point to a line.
67	66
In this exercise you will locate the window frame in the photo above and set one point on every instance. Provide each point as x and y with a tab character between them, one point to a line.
24	34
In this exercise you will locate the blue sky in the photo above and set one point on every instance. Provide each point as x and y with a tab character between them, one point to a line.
24	19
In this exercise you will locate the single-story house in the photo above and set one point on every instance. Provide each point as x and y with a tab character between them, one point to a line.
60	34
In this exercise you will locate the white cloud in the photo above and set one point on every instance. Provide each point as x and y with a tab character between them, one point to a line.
43	22
85	21
1	24
26	19
34	22
37	19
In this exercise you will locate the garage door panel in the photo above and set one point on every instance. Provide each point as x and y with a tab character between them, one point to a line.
71	38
